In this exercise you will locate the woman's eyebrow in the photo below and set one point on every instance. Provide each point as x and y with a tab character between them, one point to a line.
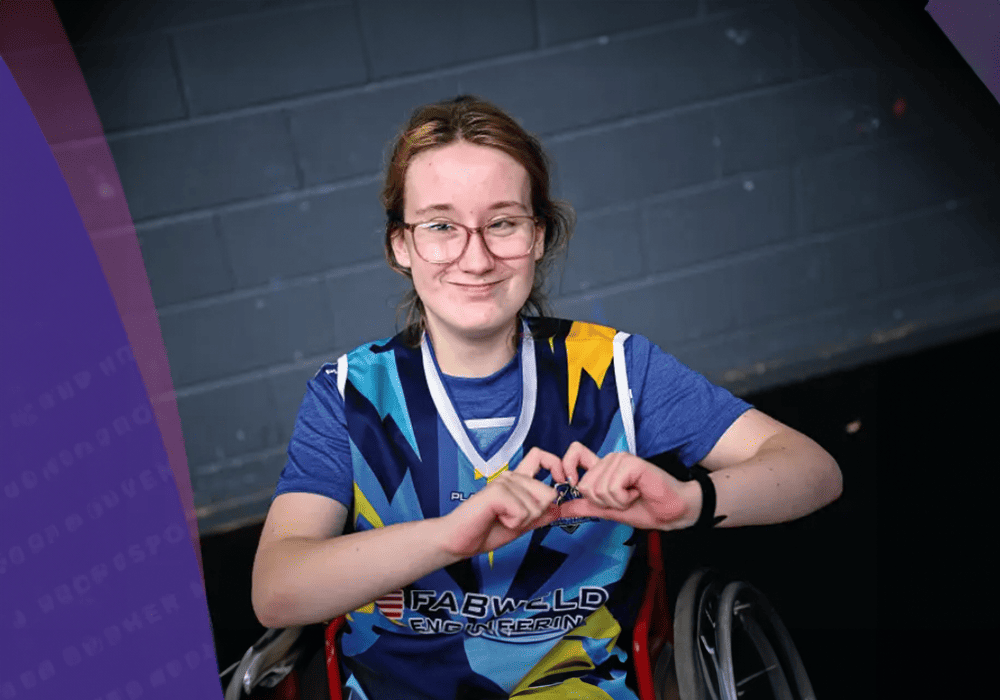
447	207
434	207
504	205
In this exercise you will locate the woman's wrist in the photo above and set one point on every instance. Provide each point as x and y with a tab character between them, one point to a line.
690	492
699	497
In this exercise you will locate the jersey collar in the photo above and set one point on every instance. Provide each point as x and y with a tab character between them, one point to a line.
442	402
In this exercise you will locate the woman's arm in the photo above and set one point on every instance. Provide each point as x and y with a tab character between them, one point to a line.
305	571
763	472
766	472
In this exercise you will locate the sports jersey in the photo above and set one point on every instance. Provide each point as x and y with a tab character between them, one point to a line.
545	610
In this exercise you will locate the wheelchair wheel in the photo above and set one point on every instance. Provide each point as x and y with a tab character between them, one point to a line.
694	676
747	621
284	664
731	645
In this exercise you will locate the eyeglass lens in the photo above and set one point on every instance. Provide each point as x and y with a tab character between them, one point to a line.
445	241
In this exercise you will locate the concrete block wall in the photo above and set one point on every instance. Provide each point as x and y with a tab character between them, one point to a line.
751	192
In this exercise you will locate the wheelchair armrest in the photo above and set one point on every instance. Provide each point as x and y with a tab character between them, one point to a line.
652	635
332	665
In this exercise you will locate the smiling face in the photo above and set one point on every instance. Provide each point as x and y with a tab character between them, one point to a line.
477	296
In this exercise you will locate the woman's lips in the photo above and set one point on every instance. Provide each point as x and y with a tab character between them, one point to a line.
480	288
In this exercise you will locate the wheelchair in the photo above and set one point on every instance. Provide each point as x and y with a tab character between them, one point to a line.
724	641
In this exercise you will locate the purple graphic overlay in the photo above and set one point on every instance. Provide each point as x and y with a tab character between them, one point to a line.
39	56
101	592
974	28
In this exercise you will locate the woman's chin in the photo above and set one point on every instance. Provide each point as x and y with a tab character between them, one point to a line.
476	326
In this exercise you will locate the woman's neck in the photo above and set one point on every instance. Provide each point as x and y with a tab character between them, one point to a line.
473	357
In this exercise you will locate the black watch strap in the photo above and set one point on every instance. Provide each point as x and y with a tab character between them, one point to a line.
707	519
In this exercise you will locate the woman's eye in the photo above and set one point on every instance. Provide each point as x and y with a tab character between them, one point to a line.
501	225
439	227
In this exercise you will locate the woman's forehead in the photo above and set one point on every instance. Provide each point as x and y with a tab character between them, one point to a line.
462	175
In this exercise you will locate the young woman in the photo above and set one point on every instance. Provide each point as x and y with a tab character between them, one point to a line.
468	492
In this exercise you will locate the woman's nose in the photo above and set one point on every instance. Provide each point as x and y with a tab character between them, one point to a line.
477	256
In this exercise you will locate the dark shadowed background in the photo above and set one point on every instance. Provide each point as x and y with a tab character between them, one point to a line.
797	199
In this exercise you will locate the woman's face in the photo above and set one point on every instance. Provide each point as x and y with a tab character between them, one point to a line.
477	295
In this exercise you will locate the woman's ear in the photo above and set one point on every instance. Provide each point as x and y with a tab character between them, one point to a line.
400	249
539	242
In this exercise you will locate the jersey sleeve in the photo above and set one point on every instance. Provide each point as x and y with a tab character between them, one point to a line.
676	409
319	452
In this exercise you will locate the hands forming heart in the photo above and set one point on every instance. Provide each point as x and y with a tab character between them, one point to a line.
623	488
619	487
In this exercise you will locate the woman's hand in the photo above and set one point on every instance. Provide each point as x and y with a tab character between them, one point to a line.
513	503
629	490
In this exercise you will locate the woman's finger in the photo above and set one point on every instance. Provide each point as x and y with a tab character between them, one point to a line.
611	484
590	487
531	496
576	457
600	479
538	459
519	507
617	483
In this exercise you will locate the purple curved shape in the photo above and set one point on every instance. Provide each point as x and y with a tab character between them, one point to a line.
973	26
102	596
38	54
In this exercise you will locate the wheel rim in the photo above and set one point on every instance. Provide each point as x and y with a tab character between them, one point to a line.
731	645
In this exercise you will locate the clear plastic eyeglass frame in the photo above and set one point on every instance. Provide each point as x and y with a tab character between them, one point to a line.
420	243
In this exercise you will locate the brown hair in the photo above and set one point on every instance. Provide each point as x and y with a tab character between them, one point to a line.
477	121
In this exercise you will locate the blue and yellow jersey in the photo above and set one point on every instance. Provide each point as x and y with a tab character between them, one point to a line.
538	617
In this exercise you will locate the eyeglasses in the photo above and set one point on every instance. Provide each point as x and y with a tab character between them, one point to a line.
441	241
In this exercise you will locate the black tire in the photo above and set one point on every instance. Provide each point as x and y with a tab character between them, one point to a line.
687	642
726	634
744	611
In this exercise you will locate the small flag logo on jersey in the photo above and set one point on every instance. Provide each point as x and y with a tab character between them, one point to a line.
391	605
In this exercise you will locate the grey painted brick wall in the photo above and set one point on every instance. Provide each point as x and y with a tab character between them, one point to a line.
747	196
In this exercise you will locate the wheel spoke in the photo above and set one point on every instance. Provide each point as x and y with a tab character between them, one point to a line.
755	675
